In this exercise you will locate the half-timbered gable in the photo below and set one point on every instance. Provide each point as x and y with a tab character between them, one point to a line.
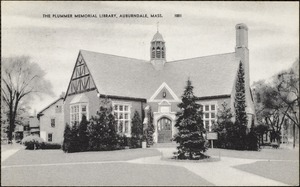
81	80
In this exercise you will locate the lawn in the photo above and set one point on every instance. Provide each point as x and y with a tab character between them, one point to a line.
268	154
124	174
283	171
24	157
70	169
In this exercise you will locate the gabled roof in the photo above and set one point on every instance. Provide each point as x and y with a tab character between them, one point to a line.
49	105
128	77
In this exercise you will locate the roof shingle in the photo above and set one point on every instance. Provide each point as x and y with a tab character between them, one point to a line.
121	76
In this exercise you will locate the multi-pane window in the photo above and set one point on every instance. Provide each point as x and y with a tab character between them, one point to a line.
209	115
122	115
76	112
53	122
50	137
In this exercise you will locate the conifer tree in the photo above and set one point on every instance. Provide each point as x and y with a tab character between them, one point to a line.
240	98
136	130
190	127
71	139
67	138
102	129
240	110
150	128
83	135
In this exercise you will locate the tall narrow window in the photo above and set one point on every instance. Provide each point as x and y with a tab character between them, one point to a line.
162	52
53	122
153	53
209	116
158	52
50	137
122	115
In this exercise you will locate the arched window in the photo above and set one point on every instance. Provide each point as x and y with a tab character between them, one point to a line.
153	53
162	52
164	124
158	52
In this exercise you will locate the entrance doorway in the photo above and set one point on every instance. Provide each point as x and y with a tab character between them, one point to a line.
164	128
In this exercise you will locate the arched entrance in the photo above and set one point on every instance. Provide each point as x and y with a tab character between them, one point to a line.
164	129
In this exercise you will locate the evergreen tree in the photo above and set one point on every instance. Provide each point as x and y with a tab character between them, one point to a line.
83	135
240	98
240	110
136	130
71	139
67	138
223	126
102	129
150	128
189	122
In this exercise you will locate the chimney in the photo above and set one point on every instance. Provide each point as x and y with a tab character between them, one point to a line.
242	53
241	36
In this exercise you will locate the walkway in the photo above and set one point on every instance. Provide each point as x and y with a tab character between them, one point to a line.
220	173
9	150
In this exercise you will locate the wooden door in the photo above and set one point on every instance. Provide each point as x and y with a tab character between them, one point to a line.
164	128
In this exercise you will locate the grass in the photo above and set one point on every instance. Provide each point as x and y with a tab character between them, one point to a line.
269	154
283	171
124	174
58	156
107	174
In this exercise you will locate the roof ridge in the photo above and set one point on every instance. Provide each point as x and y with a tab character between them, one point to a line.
200	57
113	55
50	105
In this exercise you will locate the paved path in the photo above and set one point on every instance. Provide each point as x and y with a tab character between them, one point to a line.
9	149
220	173
8	153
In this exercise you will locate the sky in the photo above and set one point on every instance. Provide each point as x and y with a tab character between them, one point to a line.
204	28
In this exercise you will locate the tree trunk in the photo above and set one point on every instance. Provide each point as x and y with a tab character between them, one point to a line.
294	136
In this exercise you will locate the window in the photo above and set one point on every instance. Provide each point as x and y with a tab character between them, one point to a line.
122	115
77	111
50	137
158	52
53	122
153	53
162	53
58	109
206	107
164	124
209	116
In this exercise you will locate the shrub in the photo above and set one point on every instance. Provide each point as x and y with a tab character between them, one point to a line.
32	142
136	131
50	145
71	139
135	142
101	130
83	135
